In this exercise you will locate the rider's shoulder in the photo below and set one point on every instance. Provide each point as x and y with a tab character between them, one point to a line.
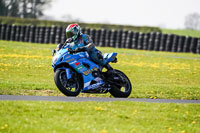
85	36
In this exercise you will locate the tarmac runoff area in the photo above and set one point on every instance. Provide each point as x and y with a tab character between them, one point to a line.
83	99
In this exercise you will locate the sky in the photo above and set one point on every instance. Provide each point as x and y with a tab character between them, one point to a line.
168	14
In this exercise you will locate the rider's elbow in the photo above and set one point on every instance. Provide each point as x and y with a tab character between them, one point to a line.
90	45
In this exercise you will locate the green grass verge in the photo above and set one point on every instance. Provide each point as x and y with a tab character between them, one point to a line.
192	33
25	69
98	117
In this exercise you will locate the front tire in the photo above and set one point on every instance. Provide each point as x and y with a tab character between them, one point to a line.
70	87
123	89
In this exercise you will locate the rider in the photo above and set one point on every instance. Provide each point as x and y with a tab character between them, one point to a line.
82	42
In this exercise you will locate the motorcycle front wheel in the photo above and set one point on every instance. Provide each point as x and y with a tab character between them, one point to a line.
69	87
121	88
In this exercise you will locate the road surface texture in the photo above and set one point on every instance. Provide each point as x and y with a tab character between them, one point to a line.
82	99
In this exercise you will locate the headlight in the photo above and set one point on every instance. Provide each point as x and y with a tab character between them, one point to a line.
55	58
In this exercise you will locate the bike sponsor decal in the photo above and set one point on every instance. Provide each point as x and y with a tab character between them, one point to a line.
76	64
67	56
70	60
79	67
94	86
87	72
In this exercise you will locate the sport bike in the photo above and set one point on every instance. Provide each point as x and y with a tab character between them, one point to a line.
75	72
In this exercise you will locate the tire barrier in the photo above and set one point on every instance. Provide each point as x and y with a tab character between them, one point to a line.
155	41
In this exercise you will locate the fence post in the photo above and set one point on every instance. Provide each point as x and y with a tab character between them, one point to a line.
151	41
112	38
27	32
157	41
123	39
162	42
17	34
180	43
198	46
186	44
63	35
96	37
47	35
140	40
41	34
52	34
107	38
134	40
12	33
168	45
8	31
175	43
0	30
3	31
118	39
58	35
193	45
128	39
145	41
22	34
32	34
36	37
102	38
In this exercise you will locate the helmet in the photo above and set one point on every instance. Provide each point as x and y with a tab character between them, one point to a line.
72	31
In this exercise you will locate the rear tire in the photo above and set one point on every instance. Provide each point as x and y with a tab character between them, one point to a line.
121	91
71	87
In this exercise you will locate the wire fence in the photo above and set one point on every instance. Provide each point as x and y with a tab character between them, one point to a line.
103	38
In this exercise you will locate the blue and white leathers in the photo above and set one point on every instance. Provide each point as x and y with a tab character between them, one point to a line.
82	41
80	62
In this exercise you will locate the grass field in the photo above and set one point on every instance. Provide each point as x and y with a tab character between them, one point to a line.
192	33
25	69
98	117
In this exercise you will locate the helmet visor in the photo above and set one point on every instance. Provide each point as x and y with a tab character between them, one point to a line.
69	34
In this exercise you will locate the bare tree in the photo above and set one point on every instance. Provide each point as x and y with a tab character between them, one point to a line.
192	21
23	8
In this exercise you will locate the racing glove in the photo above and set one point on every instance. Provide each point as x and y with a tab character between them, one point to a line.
80	49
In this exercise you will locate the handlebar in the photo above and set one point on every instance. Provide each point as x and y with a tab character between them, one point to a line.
71	51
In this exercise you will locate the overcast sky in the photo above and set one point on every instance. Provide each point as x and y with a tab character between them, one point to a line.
164	13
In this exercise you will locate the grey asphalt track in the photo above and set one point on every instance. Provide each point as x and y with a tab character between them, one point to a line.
82	99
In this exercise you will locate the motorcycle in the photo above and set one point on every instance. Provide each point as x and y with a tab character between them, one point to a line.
75	72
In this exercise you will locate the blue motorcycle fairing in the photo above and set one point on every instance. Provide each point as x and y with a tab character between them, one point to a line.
93	86
109	57
76	61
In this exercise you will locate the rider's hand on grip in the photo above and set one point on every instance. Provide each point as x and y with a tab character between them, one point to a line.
80	49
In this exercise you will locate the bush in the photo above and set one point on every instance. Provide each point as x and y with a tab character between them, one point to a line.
20	21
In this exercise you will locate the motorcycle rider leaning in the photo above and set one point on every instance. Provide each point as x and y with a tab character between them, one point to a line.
82	42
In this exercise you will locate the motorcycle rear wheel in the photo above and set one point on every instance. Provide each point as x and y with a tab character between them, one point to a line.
121	91
70	87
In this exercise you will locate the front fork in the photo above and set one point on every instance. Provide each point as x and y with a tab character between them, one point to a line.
67	70
68	74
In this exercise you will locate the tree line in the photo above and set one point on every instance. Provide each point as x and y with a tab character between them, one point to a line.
34	9
22	8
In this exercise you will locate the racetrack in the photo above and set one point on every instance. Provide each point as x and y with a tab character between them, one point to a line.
82	99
